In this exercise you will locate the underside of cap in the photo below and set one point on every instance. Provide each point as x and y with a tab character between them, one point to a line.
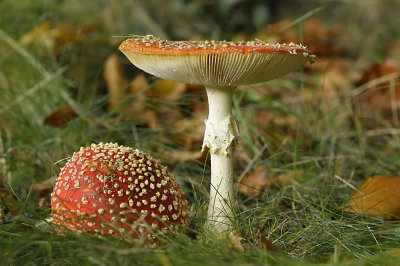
215	63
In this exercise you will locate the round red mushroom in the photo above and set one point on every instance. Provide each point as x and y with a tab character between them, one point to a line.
116	190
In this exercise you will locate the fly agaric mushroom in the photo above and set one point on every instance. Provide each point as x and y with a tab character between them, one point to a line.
220	66
115	190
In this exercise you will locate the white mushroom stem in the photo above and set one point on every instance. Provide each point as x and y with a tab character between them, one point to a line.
221	130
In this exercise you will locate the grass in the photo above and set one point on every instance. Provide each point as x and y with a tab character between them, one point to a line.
327	138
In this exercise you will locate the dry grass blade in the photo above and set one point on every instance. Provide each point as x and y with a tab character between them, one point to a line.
24	53
32	90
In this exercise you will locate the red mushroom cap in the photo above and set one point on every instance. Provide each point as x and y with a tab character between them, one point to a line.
152	45
214	63
115	190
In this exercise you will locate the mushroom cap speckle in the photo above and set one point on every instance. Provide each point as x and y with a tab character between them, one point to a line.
214	63
116	190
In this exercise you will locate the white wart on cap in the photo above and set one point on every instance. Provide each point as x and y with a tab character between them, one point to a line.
115	190
214	63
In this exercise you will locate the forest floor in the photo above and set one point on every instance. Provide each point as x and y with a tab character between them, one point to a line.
308	141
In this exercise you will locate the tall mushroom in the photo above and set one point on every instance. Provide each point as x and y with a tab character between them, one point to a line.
220	66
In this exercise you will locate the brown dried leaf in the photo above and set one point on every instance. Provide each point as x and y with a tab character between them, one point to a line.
274	122
286	179
379	195
138	84
383	96
44	189
253	184
60	117
191	131
149	118
173	156
335	79
265	242
10	202
235	241
114	76
137	87
195	87
47	184
317	36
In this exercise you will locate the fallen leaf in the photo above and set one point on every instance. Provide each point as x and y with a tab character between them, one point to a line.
195	87
316	35
377	70
253	184
379	195
9	201
276	126
335	79
46	184
39	34
44	189
383	95
286	179
190	131
148	117
60	117
171	157
114	77
265	242
138	84
51	38
236	241
167	90
137	87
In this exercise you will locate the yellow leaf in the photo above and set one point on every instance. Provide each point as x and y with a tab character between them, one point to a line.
379	195
39	34
168	90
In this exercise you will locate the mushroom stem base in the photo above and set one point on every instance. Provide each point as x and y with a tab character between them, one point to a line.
221	130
